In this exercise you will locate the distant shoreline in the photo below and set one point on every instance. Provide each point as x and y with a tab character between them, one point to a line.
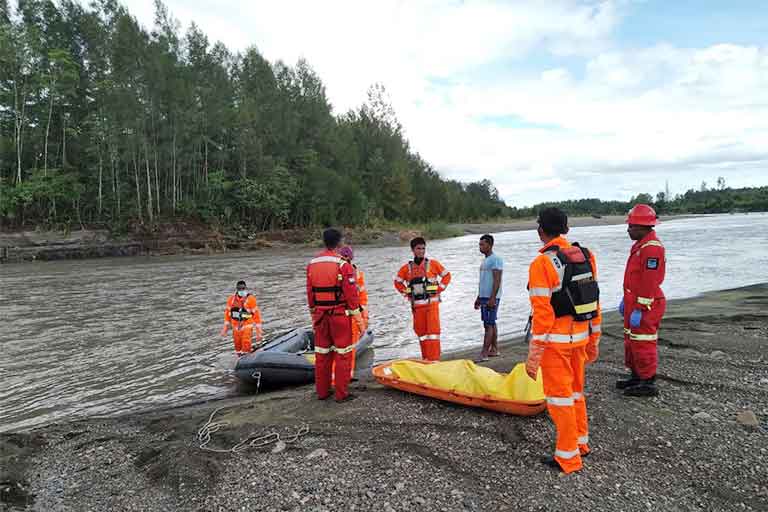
182	238
574	222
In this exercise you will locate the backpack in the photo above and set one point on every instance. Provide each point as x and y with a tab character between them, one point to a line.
579	293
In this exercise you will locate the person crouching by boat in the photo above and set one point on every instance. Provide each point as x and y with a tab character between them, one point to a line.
243	315
334	304
565	332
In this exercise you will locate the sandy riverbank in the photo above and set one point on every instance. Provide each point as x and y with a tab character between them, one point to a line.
191	238
387	450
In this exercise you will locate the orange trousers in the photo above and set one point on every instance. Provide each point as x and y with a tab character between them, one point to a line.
242	336
562	368
356	334
333	340
426	325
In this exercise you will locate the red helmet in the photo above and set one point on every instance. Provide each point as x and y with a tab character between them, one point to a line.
642	215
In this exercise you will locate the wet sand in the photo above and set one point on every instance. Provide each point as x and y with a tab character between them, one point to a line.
695	447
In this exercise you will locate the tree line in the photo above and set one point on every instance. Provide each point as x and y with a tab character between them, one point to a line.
103	122
705	200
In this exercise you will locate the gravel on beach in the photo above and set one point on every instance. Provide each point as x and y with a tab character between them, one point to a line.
701	445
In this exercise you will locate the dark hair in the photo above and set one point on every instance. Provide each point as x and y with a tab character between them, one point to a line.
553	221
418	241
240	283
331	238
487	238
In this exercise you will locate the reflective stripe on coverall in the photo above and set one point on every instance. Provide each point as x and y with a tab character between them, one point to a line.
560	347
426	312
643	276
331	319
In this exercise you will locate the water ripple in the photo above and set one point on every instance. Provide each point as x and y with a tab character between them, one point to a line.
100	337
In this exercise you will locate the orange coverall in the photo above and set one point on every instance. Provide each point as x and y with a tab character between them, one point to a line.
333	302
250	317
561	347
426	311
356	332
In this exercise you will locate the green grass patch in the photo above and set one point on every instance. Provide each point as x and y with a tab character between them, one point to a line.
436	230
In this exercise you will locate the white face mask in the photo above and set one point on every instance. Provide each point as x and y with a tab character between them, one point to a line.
242	293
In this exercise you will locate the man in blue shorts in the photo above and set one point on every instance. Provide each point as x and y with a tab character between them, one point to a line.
488	296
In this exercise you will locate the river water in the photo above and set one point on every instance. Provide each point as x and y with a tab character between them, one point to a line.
102	337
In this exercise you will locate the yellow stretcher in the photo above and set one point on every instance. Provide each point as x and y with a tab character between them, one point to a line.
462	381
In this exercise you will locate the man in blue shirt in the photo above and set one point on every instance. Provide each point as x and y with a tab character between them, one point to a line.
488	296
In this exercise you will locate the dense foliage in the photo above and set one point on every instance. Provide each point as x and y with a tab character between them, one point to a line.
717	200
104	122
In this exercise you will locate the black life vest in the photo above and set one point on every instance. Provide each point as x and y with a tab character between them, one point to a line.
239	312
421	287
579	293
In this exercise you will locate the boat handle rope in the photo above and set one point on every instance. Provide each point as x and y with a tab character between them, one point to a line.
257	375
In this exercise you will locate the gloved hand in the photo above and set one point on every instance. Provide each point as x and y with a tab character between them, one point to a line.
593	351
224	330
535	351
621	307
258	334
635	318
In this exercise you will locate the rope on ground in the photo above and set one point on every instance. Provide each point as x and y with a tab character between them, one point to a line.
254	440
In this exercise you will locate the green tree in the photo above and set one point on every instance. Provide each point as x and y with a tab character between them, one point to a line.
112	123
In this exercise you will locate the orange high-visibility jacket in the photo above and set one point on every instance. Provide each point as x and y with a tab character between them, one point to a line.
361	290
242	311
644	273
544	278
332	284
433	270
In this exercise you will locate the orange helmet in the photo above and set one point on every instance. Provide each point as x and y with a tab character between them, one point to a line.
642	215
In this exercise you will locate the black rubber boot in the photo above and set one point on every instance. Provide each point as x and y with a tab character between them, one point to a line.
642	388
550	462
631	381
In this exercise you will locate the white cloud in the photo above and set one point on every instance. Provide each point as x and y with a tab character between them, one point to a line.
659	110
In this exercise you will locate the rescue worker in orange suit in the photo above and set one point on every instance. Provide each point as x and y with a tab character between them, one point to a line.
422	281
348	254
643	303
565	334
243	315
334	304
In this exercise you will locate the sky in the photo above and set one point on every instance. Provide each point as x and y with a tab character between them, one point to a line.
550	100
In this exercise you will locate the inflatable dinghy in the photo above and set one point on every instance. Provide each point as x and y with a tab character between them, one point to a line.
463	382
288	360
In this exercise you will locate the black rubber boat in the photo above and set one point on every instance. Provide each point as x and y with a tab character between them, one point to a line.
288	360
